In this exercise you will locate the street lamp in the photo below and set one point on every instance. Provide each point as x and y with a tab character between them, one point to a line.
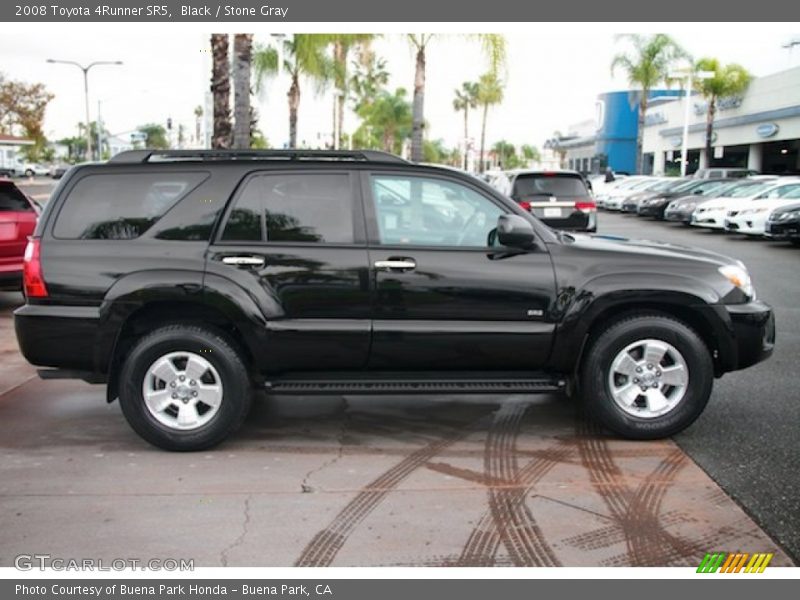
688	74
85	70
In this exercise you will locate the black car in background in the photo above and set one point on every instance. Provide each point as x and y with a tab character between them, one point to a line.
784	224
560	199
631	203
656	205
680	209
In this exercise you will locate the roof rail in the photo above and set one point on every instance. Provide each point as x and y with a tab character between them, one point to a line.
152	155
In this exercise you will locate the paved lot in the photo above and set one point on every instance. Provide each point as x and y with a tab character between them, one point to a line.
517	480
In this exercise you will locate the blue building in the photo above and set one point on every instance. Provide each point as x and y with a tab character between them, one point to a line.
610	138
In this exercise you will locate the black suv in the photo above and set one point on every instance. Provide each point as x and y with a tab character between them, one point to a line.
186	279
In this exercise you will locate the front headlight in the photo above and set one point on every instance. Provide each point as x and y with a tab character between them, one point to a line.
738	276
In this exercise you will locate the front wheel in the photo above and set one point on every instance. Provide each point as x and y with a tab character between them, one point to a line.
184	388
647	377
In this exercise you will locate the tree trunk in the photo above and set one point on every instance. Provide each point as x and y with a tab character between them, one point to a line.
294	106
221	90
481	168
466	136
340	58
640	130
712	109
419	106
242	50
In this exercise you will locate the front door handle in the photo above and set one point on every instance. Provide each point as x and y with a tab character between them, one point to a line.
396	264
244	261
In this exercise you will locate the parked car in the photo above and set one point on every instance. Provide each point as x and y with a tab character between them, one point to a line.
723	172
184	280
33	169
617	196
18	215
784	224
751	218
631	203
681	209
58	171
712	214
656	204
559	199
618	184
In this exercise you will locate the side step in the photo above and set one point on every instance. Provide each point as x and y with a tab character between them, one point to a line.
382	385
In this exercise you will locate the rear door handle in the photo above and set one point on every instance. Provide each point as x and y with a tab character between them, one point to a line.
396	264
244	261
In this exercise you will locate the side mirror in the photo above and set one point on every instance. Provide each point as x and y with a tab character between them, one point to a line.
515	231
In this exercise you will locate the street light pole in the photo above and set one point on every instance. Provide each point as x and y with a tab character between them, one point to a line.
85	70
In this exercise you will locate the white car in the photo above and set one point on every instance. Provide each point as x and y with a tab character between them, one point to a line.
31	169
615	199
752	219
712	214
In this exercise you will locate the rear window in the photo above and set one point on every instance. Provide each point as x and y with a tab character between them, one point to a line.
12	200
530	185
121	206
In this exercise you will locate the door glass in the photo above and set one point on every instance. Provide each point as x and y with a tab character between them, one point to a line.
419	211
306	207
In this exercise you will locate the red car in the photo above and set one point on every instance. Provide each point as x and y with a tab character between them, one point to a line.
18	214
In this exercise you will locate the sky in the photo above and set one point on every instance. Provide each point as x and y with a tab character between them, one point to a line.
553	74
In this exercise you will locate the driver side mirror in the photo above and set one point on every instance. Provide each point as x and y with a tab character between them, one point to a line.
515	231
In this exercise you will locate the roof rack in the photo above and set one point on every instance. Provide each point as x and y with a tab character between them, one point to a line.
152	155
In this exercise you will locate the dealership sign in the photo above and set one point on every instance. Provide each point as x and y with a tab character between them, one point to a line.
766	130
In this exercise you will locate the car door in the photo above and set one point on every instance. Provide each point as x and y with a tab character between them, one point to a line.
444	298
295	242
17	222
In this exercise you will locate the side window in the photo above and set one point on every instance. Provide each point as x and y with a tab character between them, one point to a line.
121	206
420	211
306	207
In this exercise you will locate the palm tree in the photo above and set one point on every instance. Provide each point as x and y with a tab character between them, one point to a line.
490	92
221	90
494	48
303	58
242	53
728	80
646	66
466	98
342	44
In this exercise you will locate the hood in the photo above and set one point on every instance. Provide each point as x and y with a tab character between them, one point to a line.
648	249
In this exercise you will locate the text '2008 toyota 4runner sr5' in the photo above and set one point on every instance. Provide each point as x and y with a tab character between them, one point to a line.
185	279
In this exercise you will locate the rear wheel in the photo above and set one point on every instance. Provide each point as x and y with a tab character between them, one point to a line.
647	377
184	388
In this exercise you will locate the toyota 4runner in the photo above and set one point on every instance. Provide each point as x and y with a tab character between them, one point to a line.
184	280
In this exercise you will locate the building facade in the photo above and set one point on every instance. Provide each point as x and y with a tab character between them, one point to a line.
608	140
759	131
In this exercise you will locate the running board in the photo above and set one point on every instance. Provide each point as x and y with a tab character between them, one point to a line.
410	386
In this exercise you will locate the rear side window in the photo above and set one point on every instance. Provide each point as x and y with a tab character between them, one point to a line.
529	186
12	200
303	207
121	206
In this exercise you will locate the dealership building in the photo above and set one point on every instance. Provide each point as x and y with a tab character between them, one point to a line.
760	130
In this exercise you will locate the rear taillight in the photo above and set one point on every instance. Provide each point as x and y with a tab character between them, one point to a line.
586	206
32	277
525	204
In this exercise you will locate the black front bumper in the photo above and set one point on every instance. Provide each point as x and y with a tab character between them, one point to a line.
785	230
753	327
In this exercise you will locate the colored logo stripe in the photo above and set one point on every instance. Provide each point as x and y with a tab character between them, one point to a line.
734	563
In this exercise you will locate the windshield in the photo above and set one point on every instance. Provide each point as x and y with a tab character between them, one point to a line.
549	185
750	189
668	184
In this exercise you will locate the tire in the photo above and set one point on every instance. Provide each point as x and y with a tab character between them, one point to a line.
29	173
606	389
226	381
